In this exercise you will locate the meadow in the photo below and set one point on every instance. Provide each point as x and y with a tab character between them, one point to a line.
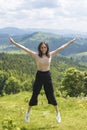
13	107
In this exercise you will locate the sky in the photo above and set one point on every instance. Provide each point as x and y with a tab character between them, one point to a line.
46	14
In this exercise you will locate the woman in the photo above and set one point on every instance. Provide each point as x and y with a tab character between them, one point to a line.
43	75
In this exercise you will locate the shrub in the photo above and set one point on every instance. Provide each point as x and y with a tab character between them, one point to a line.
9	124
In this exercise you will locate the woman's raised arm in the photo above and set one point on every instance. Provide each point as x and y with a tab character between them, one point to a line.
32	53
54	53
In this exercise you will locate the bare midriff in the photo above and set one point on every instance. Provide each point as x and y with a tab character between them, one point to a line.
43	63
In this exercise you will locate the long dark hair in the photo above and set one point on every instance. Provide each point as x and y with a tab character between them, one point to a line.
39	49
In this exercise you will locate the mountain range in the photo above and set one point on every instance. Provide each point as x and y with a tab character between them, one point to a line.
18	31
32	37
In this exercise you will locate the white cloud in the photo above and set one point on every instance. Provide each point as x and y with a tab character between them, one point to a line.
58	14
39	4
73	8
10	4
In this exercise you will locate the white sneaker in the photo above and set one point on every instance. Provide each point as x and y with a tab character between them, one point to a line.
58	117
27	117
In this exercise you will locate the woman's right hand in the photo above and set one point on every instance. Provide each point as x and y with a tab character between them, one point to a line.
11	39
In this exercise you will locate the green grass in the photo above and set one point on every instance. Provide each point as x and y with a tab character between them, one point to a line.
82	54
73	113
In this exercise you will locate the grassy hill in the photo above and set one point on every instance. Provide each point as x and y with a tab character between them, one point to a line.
82	57
13	107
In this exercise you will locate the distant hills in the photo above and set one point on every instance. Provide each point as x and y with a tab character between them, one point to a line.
19	31
32	37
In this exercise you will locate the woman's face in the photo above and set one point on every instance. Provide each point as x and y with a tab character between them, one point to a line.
43	49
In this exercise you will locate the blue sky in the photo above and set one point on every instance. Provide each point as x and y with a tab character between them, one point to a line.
51	14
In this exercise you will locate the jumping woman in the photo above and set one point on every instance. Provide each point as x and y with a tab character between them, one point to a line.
43	76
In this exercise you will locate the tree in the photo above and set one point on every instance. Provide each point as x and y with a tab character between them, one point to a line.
3	78
73	82
27	85
12	85
85	83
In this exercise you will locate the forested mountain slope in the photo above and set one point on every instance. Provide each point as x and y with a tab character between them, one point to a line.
32	40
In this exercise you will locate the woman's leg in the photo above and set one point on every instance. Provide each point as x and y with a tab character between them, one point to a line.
27	116
56	108
49	91
58	117
29	108
51	100
34	98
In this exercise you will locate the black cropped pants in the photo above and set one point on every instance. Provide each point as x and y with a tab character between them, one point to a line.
43	79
